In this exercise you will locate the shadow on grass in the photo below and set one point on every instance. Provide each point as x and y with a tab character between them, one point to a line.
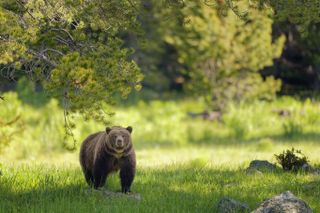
177	188
302	137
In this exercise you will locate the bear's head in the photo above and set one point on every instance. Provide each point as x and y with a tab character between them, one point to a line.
119	138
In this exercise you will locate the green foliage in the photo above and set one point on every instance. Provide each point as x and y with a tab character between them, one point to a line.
28	94
13	37
302	13
292	160
224	54
73	48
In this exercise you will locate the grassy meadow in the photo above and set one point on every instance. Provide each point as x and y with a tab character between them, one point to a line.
184	164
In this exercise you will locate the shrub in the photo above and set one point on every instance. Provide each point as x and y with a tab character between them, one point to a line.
292	160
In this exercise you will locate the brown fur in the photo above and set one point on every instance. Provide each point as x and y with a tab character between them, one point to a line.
105	152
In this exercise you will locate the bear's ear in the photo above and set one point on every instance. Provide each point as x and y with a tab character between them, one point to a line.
129	128
108	129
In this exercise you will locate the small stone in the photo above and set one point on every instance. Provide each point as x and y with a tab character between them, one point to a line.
262	165
228	205
284	203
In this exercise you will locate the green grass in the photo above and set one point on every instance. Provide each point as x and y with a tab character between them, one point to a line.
184	164
189	179
157	123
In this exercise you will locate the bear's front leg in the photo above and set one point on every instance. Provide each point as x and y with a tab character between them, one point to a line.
99	175
97	179
127	173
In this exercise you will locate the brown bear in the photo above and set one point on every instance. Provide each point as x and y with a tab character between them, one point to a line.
105	152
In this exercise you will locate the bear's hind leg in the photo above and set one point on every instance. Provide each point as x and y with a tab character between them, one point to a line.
103	180
96	181
89	177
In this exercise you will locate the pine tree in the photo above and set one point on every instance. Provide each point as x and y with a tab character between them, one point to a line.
224	53
72	47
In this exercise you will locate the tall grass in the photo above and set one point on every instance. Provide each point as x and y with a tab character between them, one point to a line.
159	123
184	164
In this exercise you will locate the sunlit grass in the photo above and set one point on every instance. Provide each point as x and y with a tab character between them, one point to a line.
189	179
162	124
184	164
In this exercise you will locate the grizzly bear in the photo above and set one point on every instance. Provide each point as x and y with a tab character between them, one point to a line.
105	152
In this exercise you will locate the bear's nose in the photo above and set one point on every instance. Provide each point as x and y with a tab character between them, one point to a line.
119	142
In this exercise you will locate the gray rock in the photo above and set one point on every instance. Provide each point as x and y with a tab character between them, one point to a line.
262	165
228	205
307	168
284	203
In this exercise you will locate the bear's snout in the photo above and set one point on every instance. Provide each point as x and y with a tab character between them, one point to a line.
119	142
